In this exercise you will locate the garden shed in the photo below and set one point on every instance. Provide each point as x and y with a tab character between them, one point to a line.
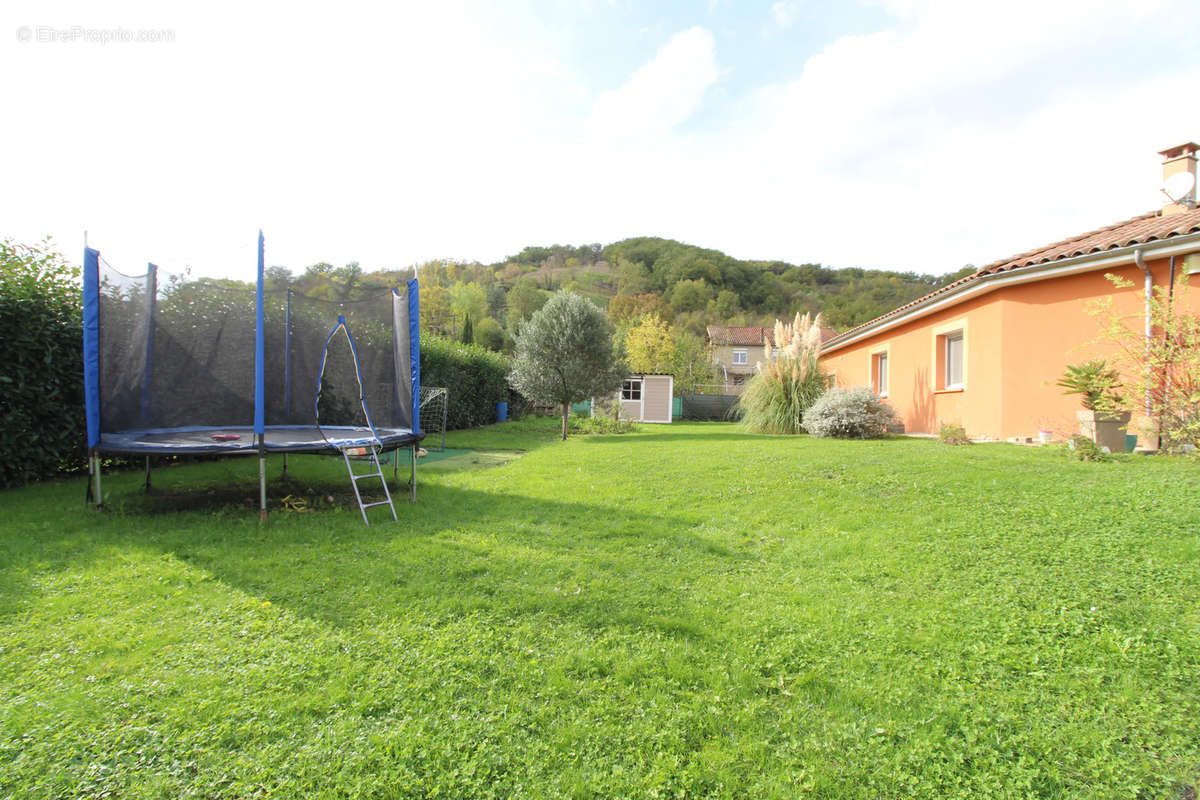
647	398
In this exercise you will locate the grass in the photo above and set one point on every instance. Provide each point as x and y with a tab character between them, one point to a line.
686	611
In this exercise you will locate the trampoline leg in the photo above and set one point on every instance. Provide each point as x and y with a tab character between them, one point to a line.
147	473
96	475
262	486
412	479
285	466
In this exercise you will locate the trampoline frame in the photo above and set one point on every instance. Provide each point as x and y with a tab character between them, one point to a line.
259	437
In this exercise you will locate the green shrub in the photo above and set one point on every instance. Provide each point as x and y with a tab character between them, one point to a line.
42	426
475	376
1095	381
1082	448
776	398
855	413
601	424
953	435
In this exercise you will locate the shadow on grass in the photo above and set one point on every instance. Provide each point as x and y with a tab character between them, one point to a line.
715	436
456	553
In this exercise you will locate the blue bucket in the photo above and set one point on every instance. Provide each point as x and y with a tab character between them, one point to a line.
501	412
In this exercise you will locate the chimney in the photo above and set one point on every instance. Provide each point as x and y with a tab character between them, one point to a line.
1181	158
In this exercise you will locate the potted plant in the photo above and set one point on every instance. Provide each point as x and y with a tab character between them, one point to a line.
1101	418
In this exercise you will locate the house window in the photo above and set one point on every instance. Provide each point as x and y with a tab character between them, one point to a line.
880	374
954	360
741	357
631	389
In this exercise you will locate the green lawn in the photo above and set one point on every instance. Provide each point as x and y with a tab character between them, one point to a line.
688	611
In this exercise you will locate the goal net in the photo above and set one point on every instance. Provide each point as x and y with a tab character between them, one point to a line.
433	415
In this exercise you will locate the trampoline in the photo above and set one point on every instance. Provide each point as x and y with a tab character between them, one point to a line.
275	439
175	365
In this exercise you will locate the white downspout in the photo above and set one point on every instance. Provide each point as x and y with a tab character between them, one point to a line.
1141	262
1137	259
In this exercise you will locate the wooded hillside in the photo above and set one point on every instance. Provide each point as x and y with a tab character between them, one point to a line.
688	286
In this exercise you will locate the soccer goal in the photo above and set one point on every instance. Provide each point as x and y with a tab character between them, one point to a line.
433	414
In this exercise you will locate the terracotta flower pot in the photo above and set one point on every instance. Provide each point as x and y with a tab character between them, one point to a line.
1106	430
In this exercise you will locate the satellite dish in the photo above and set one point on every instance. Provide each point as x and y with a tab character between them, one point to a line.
1179	186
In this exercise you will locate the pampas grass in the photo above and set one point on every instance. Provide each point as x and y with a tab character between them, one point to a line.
775	399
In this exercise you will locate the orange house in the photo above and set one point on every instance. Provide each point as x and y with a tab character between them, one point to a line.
985	352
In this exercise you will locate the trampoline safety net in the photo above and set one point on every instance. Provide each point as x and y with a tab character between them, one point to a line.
168	355
180	354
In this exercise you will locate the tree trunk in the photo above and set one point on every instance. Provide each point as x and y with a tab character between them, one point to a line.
566	415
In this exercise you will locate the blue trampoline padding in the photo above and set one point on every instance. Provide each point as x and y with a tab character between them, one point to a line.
91	344
260	359
414	348
276	439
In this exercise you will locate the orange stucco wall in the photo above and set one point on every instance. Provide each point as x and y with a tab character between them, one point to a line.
1019	339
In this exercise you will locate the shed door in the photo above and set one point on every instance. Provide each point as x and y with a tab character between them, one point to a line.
656	398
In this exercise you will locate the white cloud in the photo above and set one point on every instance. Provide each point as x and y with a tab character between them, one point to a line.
949	141
380	132
961	137
784	13
394	134
662	93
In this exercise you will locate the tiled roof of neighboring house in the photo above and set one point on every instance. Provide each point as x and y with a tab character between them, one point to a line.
1139	230
753	336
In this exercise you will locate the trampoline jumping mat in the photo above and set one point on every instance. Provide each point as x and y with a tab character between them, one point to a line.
276	439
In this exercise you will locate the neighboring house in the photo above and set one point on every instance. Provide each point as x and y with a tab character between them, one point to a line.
986	351
735	351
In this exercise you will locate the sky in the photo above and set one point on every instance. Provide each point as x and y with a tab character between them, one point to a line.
885	134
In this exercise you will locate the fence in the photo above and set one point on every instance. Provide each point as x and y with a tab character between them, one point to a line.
708	406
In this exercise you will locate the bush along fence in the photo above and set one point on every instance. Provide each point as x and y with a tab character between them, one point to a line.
475	377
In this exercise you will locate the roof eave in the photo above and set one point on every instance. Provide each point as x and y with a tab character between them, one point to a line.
1088	262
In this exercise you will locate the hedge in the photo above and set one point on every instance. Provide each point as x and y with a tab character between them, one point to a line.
475	376
41	371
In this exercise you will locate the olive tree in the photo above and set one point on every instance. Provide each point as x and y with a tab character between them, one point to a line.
564	354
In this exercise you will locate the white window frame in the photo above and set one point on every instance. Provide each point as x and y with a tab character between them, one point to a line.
741	357
942	335
949	339
631	385
880	388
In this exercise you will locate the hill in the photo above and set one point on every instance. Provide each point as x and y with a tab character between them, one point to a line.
691	286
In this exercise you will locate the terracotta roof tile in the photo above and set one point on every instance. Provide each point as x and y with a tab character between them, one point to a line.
753	336
1139	230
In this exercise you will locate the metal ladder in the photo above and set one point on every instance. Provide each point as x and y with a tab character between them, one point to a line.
373	452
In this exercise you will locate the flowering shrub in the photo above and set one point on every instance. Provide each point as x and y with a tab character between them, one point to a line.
1162	373
855	413
952	434
787	382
